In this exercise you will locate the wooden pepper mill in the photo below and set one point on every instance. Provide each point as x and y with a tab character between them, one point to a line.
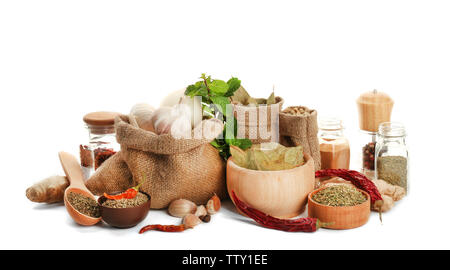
374	108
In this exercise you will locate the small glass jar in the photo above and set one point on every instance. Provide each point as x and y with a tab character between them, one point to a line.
366	158
102	142
334	147
391	154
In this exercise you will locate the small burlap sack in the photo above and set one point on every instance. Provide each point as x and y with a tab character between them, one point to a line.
173	168
249	127
301	130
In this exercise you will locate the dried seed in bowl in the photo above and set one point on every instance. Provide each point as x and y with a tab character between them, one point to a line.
126	203
339	195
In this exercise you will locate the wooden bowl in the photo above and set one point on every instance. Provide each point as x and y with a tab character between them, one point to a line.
282	194
340	217
124	217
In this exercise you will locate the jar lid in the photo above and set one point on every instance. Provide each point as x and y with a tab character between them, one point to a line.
330	123
374	108
392	129
375	97
100	118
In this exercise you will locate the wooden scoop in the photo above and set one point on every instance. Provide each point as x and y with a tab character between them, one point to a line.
75	175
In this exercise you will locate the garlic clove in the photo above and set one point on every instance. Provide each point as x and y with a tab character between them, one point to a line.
181	128
191	220
213	205
181	208
201	211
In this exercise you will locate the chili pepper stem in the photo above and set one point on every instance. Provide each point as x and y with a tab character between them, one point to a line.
321	224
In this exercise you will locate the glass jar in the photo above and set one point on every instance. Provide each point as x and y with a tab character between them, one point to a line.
102	142
334	147
366	158
391	154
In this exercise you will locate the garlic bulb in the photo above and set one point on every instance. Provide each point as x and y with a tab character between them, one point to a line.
142	112
174	120
194	104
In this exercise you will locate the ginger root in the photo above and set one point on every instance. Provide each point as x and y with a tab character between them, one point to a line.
49	190
396	192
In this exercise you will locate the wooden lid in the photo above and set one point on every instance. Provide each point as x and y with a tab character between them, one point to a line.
100	118
375	97
374	108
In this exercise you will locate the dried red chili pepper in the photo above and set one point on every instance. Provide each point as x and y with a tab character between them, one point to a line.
127	194
163	228
288	225
359	180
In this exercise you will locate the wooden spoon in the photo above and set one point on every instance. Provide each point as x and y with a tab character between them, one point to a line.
75	175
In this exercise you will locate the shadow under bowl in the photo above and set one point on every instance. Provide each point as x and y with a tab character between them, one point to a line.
124	217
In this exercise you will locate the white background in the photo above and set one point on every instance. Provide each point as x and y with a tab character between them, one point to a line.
62	59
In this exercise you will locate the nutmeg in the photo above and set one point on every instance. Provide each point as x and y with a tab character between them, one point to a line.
181	208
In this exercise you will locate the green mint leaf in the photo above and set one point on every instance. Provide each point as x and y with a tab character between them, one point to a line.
221	103
244	143
197	89
191	90
215	143
218	87
233	86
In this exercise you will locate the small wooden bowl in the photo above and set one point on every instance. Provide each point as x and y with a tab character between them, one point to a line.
124	217
282	194
340	217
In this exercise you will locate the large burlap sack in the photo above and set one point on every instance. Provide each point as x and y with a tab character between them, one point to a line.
251	120
301	130
173	168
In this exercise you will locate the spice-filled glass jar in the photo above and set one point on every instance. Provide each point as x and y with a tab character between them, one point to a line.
391	153
102	141
367	143
334	147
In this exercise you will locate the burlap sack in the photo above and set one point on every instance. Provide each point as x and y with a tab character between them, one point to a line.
249	127
173	168
301	130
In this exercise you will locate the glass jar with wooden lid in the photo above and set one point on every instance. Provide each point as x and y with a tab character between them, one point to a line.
102	142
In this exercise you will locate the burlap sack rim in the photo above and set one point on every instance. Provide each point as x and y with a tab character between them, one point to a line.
136	138
312	130
245	108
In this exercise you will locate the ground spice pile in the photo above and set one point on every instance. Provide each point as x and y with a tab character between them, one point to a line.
84	204
339	195
394	170
126	203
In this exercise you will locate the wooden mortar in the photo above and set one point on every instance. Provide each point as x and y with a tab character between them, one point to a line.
282	194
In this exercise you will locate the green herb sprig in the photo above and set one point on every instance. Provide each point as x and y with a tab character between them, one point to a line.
215	98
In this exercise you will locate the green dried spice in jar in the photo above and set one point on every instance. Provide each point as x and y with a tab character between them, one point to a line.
84	204
126	203
394	170
339	195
